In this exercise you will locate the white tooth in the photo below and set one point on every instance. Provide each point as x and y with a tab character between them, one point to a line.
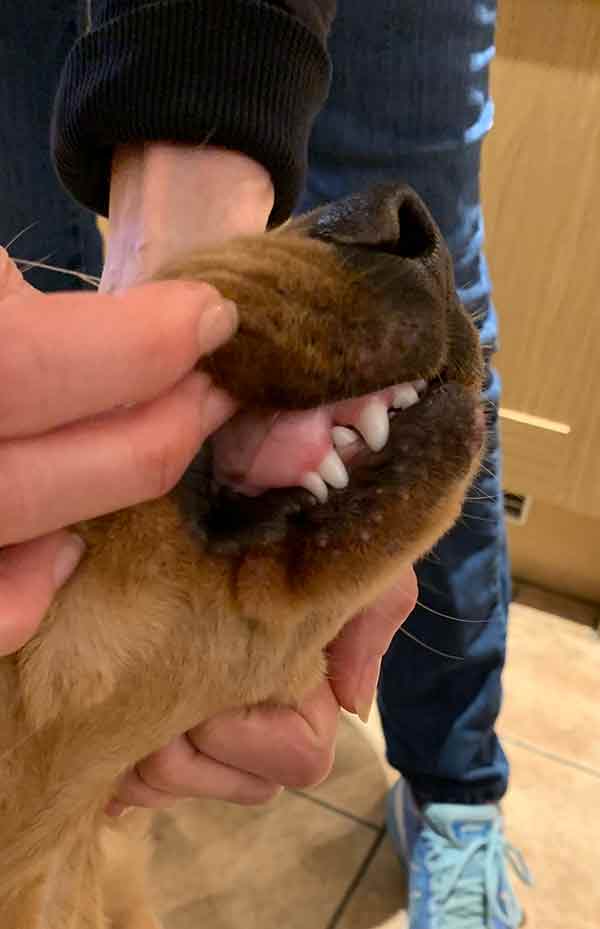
342	437
314	483
374	426
419	385
333	471
403	396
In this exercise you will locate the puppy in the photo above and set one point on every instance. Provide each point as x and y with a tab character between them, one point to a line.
359	375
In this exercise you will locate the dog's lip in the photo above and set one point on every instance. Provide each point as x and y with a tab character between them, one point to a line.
401	438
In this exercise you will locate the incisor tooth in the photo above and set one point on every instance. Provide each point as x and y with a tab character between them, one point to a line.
342	437
404	395
314	483
333	471
374	426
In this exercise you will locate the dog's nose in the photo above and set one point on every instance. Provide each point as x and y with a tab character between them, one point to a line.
416	235
388	218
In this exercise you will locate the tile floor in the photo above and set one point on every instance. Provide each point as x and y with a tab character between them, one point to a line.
321	860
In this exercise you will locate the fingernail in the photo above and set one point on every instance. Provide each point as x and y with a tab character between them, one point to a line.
217	324
217	406
68	558
114	808
367	689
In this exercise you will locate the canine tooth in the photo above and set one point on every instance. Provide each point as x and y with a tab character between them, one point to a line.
404	395
342	437
374	426
314	483
419	385
332	470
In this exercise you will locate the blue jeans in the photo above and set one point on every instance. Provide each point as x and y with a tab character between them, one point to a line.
409	100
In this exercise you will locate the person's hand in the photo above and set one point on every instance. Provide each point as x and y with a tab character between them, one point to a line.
248	756
99	409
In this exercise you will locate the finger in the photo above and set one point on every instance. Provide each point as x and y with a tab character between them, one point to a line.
101	465
178	770
64	357
355	656
239	757
278	744
30	575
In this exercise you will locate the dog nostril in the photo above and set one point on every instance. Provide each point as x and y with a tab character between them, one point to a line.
413	234
416	234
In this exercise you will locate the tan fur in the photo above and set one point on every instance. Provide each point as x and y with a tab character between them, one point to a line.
168	622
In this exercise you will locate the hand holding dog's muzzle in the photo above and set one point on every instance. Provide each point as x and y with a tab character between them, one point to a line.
99	409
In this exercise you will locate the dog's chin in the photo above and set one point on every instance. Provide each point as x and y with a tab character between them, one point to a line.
432	448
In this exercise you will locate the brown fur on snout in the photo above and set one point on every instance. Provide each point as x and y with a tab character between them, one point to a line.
328	314
199	602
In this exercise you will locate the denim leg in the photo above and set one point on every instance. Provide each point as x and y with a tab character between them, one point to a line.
34	41
410	100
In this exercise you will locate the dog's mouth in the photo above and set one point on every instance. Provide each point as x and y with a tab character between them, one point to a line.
267	472
314	449
321	449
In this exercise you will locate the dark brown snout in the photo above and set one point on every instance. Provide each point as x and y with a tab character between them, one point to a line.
344	301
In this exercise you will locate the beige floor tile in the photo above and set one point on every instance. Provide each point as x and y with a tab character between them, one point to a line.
361	776
552	813
552	686
226	867
380	899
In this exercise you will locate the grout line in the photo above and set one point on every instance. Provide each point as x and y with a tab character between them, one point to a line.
362	870
335	809
551	756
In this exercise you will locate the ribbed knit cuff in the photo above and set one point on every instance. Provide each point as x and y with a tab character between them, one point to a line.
240	74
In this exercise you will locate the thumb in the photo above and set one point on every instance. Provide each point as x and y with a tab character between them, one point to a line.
30	575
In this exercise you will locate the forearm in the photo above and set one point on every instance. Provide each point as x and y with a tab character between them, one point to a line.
167	198
246	76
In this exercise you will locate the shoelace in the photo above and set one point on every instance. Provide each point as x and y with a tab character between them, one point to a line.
472	901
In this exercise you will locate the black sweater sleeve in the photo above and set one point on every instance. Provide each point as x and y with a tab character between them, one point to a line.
248	75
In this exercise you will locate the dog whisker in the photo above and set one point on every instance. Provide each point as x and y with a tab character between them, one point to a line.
454	619
90	279
429	648
16	237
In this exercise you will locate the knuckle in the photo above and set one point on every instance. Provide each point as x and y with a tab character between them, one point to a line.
159	772
161	465
313	766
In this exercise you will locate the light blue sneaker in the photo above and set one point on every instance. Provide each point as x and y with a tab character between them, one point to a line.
456	860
